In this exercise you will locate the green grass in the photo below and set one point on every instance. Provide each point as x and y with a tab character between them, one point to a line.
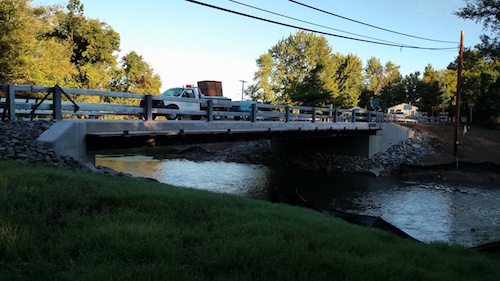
58	224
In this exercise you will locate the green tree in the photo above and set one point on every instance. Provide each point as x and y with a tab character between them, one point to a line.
392	75
26	55
374	75
139	76
302	70
94	44
264	76
487	12
429	90
311	90
254	92
411	83
291	64
382	83
348	78
480	81
18	30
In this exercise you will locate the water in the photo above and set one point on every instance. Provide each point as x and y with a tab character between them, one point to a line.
462	214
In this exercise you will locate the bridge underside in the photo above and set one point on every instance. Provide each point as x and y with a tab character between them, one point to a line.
81	139
281	140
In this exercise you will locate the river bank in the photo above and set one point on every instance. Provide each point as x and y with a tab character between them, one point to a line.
60	224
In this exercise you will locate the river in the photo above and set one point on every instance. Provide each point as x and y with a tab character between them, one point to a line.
465	214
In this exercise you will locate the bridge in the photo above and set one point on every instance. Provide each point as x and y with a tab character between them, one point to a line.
84	128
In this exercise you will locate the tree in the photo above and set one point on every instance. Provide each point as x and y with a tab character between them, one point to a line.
138	76
293	63
381	83
392	75
302	70
374	75
481	78
94	44
17	41
487	12
349	79
311	90
264	76
26	56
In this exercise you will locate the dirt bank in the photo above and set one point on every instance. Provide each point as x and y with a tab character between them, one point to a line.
477	145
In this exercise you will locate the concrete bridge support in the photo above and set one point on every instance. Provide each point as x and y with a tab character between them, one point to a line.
349	145
67	137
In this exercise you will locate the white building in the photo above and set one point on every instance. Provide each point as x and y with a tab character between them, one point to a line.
407	109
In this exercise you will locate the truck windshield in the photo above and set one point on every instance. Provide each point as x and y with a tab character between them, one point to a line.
174	92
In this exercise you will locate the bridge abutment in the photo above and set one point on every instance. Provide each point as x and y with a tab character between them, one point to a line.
67	137
354	145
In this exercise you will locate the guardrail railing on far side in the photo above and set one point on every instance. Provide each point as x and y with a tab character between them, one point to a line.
57	101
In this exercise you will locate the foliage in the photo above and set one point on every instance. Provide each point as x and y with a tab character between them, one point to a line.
348	80
59	224
26	56
374	72
138	76
46	45
93	42
487	12
302	70
481	79
383	83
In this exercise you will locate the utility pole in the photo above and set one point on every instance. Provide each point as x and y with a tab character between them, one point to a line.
242	87
444	93
457	99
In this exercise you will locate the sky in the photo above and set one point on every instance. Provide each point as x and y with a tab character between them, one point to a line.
186	42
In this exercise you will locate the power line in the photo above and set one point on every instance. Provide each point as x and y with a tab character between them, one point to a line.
370	25
308	22
320	32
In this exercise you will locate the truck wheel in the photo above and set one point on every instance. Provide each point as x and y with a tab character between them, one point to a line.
171	116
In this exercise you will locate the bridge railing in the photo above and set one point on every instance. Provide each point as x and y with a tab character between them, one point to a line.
26	100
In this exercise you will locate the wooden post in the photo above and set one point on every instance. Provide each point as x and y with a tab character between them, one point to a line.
314	114
457	99
210	110
11	102
287	114
254	112
56	103
148	107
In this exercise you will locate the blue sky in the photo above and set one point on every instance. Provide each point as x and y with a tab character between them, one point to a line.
186	43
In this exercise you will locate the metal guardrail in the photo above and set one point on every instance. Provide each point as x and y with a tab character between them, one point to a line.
14	103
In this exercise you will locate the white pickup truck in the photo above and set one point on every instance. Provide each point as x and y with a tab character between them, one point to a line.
183	104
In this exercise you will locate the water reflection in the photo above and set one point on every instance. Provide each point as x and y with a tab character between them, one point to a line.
234	178
468	215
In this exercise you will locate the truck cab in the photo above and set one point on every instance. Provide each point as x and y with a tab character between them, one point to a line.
185	93
179	99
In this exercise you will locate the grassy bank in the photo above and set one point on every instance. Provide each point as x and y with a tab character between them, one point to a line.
57	224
